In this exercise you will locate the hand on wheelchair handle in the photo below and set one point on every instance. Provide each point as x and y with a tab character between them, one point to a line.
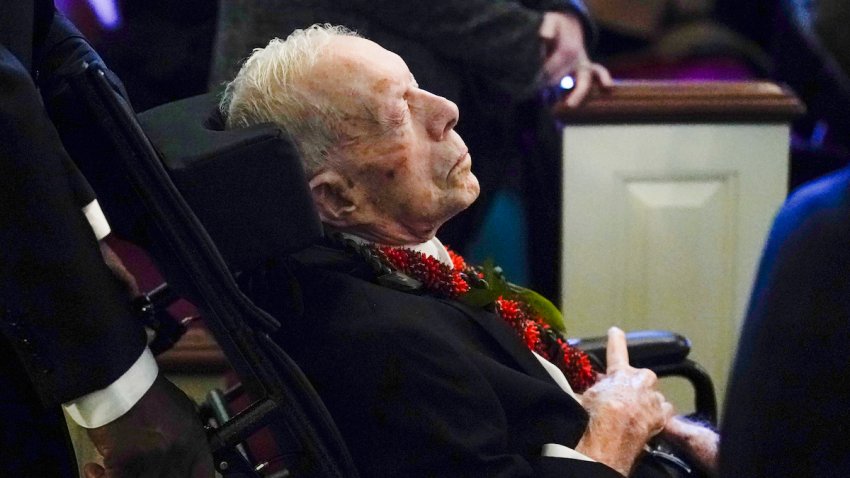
697	440
161	436
625	410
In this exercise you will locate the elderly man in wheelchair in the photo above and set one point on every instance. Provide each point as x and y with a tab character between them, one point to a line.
429	366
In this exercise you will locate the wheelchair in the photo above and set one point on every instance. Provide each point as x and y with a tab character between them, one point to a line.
173	180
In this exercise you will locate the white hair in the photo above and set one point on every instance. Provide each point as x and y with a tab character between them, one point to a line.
266	89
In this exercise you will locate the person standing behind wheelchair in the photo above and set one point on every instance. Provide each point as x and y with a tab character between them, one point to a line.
67	332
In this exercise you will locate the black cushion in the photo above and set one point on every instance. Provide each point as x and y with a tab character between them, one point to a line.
247	186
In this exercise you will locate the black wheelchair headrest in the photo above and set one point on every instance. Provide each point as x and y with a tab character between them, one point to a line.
247	186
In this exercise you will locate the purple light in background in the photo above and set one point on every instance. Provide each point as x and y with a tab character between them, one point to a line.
107	13
63	6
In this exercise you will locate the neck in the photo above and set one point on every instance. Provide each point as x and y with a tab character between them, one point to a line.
391	234
432	247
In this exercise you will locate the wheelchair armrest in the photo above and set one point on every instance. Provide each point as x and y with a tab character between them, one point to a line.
647	348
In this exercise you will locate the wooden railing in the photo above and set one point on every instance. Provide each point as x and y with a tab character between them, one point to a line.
685	102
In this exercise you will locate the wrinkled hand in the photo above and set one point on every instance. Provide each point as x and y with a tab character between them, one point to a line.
563	38
161	436
699	442
625	409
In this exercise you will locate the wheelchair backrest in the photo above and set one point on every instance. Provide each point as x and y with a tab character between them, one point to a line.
246	185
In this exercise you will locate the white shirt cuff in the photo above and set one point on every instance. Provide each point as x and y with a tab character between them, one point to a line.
97	220
560	451
103	406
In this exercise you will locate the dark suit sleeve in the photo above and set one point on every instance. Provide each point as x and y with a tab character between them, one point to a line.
496	39
786	411
67	318
62	50
80	188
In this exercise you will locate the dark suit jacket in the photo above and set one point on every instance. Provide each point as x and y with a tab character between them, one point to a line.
787	409
446	43
66	317
424	387
65	324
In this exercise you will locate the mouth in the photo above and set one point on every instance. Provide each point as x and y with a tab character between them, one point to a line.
461	160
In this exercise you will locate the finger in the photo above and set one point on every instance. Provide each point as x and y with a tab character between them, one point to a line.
665	413
645	377
562	60
569	59
669	412
603	75
550	72
93	470
547	27
584	80
617	352
556	67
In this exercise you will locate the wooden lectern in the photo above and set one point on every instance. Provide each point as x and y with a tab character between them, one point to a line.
669	191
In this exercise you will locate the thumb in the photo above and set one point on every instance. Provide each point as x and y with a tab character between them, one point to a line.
93	470
548	28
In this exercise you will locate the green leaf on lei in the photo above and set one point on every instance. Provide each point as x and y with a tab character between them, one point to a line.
499	286
543	306
496	286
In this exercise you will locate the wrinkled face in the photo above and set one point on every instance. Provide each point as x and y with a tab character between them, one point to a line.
401	170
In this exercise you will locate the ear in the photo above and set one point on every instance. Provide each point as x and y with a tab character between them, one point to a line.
333	198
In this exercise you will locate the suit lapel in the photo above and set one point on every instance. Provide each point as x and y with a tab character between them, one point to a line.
507	338
572	428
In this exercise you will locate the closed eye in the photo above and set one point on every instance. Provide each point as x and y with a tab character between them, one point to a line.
397	117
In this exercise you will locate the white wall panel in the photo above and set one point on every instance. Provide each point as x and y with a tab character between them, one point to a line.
663	227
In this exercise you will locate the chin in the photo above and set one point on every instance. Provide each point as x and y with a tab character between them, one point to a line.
462	202
471	190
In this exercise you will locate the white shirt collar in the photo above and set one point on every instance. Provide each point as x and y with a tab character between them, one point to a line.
433	248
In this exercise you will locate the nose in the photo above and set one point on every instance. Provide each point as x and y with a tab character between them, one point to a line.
442	118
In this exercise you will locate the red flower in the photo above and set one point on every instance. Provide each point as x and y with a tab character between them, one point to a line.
577	368
508	309
531	335
457	260
433	274
460	286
